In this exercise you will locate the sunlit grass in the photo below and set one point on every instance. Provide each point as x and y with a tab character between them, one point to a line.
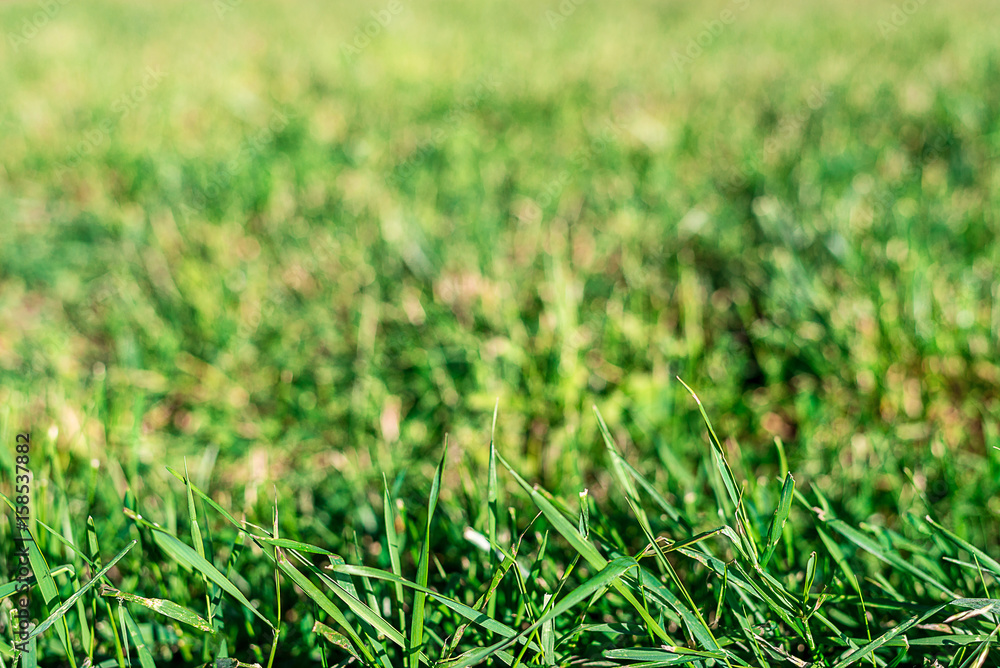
289	275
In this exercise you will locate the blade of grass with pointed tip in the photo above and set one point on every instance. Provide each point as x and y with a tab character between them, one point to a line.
696	622
206	498
493	503
196	539
187	557
199	545
584	547
779	518
419	598
61	610
294	545
392	544
728	479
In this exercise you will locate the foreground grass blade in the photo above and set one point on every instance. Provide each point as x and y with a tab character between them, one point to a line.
469	613
696	623
58	613
326	605
781	513
585	548
728	479
607	577
393	546
492	504
145	656
879	642
419	598
163	607
191	560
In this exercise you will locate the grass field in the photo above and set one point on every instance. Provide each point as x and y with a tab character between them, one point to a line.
360	274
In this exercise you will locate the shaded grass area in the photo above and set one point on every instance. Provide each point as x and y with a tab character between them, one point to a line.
229	239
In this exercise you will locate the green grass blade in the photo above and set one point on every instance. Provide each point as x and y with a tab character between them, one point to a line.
58	613
493	503
145	656
326	605
419	598
393	546
293	545
191	560
162	607
584	547
882	640
781	513
473	615
728	479
336	639
607	577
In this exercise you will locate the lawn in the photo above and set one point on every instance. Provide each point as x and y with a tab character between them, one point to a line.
559	333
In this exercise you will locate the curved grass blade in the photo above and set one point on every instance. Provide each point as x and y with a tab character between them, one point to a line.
191	560
692	616
163	607
294	545
334	638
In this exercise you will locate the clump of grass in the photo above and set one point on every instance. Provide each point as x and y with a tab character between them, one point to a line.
762	578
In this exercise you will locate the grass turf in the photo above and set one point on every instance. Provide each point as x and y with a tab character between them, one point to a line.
247	238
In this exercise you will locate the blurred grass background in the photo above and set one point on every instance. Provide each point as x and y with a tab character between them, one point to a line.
232	237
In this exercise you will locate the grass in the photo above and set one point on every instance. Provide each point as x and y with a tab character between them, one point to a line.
289	271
